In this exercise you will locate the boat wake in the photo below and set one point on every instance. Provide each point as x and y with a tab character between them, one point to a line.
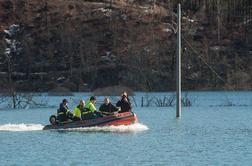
21	127
137	127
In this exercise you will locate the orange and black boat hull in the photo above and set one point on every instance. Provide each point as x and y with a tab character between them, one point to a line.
126	118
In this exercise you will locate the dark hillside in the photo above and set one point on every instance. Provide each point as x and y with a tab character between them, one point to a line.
83	45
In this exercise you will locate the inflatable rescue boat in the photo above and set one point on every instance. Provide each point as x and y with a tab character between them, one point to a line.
125	118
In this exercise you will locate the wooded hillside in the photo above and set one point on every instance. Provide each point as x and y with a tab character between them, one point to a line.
81	44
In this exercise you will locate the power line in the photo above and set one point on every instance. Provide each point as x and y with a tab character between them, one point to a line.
209	66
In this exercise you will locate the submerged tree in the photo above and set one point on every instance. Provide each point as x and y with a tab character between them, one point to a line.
12	51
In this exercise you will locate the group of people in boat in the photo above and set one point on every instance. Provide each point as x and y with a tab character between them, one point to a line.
87	110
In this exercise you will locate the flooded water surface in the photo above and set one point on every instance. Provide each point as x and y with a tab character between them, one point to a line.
211	132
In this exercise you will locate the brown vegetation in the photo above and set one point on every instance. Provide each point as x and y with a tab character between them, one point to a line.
84	45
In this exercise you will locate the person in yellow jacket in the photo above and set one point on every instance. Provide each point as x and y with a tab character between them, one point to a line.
90	109
79	109
91	104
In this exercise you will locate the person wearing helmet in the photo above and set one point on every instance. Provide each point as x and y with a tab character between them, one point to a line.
63	113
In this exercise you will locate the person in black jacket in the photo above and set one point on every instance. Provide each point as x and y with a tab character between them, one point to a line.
63	113
124	103
107	108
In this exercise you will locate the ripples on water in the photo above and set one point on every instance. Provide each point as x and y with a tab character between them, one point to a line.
205	135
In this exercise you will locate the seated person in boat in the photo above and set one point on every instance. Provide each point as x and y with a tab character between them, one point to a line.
79	109
90	111
124	103
107	108
63	113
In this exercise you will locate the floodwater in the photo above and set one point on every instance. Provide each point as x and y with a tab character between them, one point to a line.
211	132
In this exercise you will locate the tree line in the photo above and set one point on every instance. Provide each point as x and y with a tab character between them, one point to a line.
84	45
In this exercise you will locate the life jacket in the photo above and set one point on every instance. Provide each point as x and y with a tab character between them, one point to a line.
63	110
77	111
90	106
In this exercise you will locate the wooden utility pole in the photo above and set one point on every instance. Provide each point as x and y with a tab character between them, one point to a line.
178	65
